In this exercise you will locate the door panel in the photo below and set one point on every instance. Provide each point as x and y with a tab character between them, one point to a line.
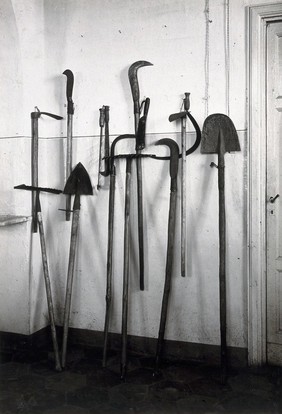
274	188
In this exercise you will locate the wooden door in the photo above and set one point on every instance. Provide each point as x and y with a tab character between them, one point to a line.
274	193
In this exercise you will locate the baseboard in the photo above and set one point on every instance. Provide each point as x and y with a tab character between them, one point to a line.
237	357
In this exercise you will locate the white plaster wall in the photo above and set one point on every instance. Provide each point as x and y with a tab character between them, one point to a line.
98	40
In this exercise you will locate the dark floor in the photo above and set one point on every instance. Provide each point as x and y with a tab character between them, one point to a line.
30	385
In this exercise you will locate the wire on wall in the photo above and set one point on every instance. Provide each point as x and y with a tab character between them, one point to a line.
207	56
227	53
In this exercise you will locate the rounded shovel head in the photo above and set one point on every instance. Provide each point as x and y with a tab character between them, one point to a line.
216	127
79	182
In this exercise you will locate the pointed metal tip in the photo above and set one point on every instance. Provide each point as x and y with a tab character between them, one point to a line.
79	182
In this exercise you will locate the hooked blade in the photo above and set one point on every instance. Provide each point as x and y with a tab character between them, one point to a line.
174	155
79	182
70	82
37	114
133	80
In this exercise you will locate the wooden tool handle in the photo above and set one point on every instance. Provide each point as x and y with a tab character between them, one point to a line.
109	264
222	264
168	274
34	165
74	233
125	269
48	292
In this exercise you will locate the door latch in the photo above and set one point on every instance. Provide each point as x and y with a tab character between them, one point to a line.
272	199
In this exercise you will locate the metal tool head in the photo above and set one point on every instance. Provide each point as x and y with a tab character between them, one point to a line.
79	182
141	131
70	82
174	154
37	114
113	146
219	127
39	189
178	115
133	80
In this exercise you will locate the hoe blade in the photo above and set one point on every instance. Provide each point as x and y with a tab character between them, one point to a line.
79	182
216	127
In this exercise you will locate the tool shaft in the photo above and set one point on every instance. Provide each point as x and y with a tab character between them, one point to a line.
109	264
73	243
34	168
183	197
125	269
48	291
102	124
168	273
222	261
69	161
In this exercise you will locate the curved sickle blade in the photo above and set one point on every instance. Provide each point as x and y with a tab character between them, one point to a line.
133	80
196	143
70	82
115	141
174	155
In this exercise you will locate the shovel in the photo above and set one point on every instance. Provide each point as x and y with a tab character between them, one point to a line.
77	184
219	136
45	265
170	242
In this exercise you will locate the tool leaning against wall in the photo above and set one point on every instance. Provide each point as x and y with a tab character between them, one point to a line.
220	136
182	116
77	184
112	170
140	145
34	157
39	219
173	170
70	112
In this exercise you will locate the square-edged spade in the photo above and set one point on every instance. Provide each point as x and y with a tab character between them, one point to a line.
218	137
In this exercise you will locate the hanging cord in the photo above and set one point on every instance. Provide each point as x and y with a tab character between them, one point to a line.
227	53
207	56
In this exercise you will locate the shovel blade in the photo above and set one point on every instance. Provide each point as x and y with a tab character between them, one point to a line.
79	182
216	127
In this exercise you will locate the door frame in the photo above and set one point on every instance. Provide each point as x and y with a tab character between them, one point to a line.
258	17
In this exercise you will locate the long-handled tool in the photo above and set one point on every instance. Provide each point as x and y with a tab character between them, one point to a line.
110	243
219	135
173	117
34	157
70	112
174	150
77	184
101	124
37	190
125	269
133	80
106	171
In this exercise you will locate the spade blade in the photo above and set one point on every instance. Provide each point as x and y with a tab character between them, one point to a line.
79	182
219	126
